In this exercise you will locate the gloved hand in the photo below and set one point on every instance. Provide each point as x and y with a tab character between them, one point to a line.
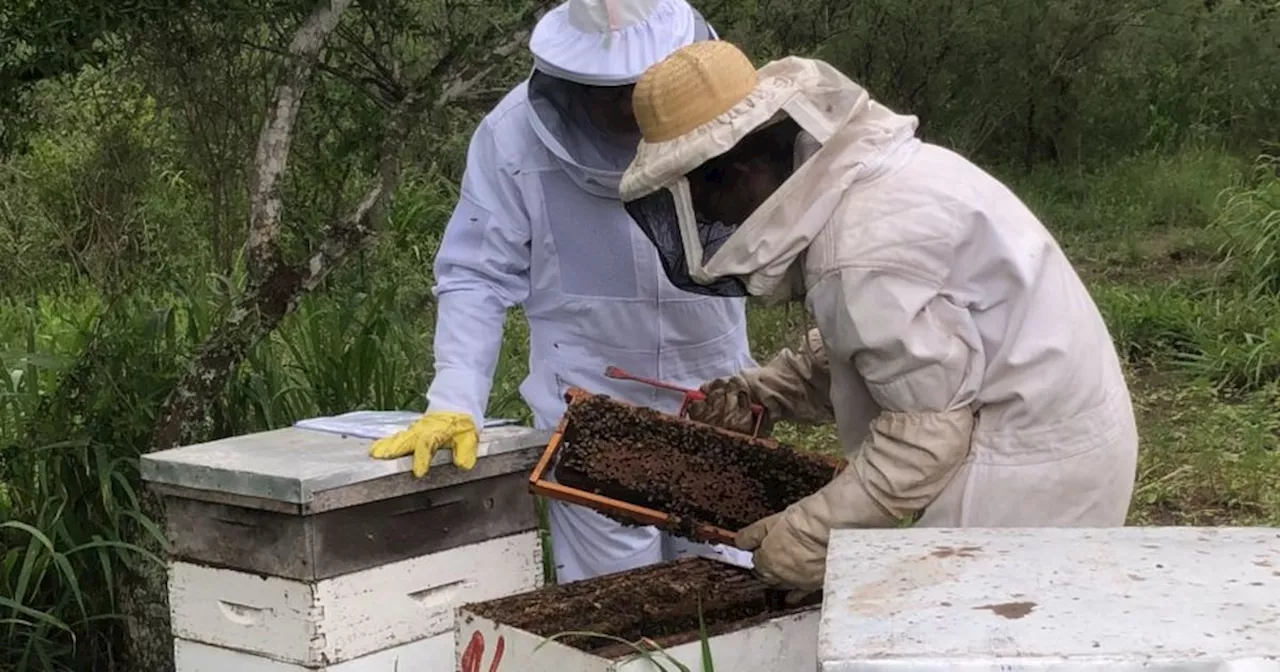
435	430
728	405
791	546
904	464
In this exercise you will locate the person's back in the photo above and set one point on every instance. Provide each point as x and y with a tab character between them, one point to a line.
1053	413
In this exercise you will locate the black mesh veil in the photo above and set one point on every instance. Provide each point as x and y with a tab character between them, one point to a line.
657	216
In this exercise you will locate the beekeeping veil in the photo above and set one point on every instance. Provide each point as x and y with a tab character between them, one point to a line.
700	103
584	49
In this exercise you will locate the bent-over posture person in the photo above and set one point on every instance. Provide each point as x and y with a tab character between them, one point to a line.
970	374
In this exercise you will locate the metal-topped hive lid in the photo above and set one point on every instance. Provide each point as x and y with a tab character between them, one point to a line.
293	466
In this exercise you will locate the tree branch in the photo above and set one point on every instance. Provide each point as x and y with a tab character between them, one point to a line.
348	234
277	134
460	85
275	287
378	93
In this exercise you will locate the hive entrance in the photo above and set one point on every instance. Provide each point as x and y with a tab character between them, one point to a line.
692	472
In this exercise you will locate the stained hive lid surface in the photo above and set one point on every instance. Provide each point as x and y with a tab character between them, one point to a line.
1162	598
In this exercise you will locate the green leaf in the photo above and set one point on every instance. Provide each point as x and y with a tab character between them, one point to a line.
708	665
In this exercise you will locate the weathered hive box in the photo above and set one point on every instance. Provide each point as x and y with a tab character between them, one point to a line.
293	550
749	628
1130	598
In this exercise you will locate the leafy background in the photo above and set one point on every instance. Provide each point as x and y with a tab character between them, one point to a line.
1142	131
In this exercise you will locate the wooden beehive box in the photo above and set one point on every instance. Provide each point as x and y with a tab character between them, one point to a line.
748	627
293	551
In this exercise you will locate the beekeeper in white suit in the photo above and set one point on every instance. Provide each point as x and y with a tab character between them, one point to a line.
971	376
539	224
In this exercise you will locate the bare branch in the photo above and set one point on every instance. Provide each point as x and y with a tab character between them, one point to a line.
377	93
344	236
461	84
277	134
379	71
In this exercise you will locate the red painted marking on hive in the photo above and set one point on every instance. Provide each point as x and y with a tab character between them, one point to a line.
471	656
497	653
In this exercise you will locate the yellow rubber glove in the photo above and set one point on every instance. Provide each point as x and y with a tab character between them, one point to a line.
435	430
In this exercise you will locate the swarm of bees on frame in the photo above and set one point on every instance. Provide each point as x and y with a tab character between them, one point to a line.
655	601
687	470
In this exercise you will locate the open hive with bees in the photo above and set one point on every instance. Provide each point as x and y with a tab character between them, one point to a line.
661	603
704	482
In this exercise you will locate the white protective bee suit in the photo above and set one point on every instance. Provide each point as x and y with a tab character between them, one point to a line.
539	224
971	376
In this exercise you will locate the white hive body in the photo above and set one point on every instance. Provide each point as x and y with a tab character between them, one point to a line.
294	550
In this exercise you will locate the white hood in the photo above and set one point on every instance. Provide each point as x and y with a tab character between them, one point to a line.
568	57
858	138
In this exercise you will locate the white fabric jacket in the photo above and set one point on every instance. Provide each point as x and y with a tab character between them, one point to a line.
529	231
524	233
941	291
971	373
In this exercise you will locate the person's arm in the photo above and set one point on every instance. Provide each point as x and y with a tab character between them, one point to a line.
922	359
481	270
795	386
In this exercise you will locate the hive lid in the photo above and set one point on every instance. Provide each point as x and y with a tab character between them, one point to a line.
294	464
1022	599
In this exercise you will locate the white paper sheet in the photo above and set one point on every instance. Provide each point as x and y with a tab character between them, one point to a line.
375	424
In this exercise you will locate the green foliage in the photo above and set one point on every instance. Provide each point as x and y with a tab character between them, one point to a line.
126	156
1025	82
1250	222
72	476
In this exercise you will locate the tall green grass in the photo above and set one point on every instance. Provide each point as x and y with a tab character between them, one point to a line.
1249	220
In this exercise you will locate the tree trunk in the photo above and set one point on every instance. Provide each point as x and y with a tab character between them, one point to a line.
273	292
275	286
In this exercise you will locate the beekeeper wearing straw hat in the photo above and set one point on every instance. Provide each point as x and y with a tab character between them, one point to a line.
971	376
539	224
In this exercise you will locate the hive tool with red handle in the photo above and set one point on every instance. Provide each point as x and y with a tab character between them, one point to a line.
690	395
